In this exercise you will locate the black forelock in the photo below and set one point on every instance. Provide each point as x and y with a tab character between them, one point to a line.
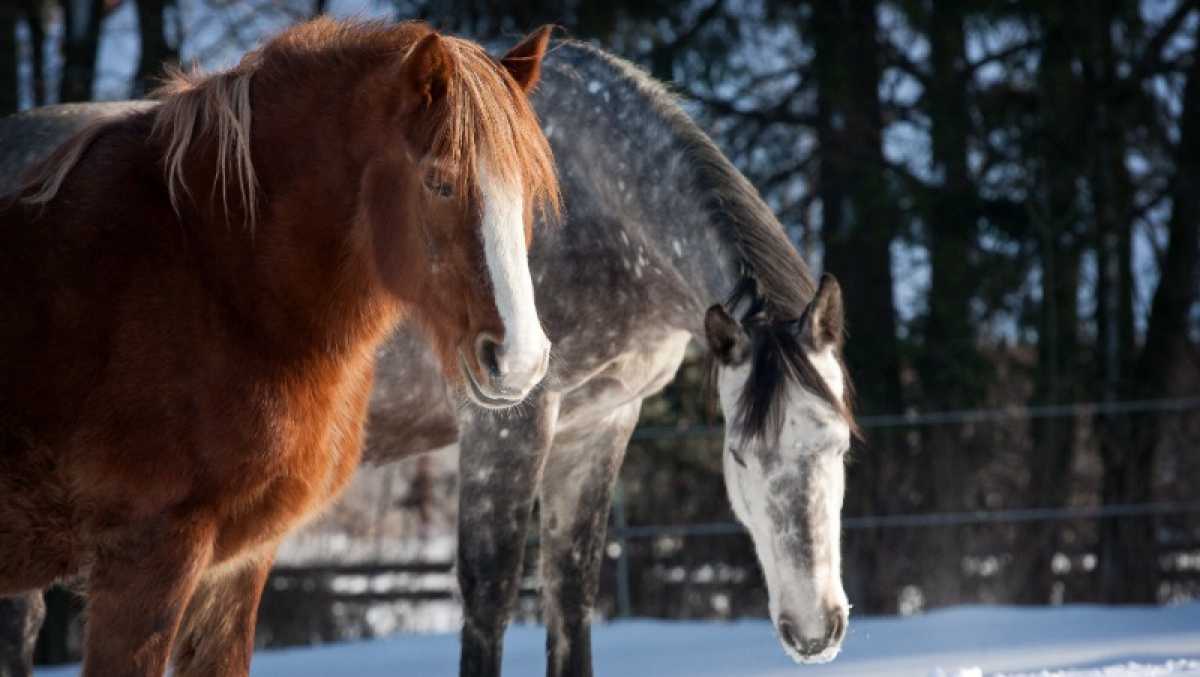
777	359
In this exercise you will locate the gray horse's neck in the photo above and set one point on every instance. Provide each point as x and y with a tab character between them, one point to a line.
643	248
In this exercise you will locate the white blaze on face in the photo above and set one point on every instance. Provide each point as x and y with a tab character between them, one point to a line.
799	477
523	354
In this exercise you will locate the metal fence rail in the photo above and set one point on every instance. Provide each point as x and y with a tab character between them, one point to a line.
381	585
929	519
316	579
993	415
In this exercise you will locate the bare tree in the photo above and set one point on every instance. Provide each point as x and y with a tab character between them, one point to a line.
156	53
1129	562
9	58
81	41
37	42
859	223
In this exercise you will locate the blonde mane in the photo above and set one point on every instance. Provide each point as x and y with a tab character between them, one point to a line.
191	106
483	118
194	106
42	182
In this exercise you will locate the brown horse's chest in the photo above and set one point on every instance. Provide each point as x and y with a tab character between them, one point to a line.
316	448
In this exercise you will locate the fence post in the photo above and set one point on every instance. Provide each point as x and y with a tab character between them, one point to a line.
624	609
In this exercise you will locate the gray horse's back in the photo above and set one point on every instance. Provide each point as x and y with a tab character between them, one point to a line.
32	135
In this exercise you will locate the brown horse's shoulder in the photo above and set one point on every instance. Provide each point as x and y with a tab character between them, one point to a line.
311	447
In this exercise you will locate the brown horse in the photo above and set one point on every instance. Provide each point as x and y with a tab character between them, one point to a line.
192	299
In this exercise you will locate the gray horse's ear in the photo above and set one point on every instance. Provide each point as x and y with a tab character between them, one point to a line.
822	324
727	339
524	62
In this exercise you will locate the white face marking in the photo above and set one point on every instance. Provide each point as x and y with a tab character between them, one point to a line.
789	495
522	356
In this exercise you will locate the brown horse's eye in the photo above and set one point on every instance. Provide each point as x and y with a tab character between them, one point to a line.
439	186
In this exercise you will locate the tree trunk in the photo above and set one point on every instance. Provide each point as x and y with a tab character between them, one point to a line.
156	53
1112	204
10	85
951	370
37	46
81	40
858	226
1128	561
1057	226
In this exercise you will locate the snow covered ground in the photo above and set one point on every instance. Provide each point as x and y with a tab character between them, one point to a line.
973	641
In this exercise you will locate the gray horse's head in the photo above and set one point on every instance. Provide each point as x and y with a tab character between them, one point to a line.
783	392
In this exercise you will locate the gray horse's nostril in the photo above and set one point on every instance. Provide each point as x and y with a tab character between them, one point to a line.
487	351
837	627
812	647
788	632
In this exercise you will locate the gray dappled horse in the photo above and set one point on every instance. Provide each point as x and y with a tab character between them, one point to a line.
664	242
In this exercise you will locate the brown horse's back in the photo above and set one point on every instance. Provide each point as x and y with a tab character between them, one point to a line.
74	273
69	288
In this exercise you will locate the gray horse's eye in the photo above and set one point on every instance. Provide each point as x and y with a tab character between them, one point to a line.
737	457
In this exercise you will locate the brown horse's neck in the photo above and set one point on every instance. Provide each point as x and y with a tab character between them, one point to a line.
310	251
300	282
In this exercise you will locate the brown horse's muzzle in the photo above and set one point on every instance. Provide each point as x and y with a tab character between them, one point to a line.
504	373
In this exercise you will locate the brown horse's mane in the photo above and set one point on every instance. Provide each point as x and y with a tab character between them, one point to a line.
485	118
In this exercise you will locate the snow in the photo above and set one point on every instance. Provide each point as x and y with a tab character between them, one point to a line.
970	641
1176	667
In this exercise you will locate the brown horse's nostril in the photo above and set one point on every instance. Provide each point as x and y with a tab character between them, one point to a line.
487	351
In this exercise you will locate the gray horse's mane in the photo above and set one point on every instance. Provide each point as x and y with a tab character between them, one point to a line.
776	285
781	277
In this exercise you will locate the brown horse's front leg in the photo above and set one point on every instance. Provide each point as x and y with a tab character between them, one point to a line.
217	638
138	589
20	619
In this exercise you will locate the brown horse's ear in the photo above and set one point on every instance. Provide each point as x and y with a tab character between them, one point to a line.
727	339
821	325
524	62
427	69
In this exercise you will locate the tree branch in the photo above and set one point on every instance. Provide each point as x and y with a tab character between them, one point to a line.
778	113
1151	59
1003	54
893	56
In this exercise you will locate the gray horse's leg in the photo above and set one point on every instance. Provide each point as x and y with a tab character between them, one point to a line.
501	457
21	617
576	494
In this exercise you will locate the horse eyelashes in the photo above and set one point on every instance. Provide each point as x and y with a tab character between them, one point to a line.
737	457
441	189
